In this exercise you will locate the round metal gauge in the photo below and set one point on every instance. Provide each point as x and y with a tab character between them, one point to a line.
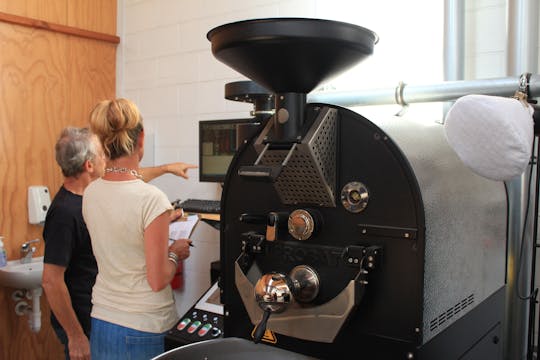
354	197
301	224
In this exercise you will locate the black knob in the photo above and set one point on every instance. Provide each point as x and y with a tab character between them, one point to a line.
215	332
248	218
261	327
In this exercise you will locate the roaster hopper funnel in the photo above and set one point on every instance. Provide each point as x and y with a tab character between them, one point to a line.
291	55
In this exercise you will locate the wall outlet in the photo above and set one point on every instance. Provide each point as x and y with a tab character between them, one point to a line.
39	200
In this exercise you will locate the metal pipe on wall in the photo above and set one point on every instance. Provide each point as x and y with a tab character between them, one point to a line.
522	39
443	91
516	317
454	44
454	40
522	56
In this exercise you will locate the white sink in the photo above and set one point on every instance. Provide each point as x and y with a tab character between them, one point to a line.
22	276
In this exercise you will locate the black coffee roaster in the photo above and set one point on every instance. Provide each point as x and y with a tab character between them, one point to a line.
346	236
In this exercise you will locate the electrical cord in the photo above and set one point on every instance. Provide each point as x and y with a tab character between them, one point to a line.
522	247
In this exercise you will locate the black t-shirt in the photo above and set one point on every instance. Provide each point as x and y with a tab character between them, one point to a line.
67	244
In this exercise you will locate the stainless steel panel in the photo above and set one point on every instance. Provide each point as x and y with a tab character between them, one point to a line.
466	217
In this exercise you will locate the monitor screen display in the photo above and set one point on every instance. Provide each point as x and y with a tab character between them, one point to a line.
218	142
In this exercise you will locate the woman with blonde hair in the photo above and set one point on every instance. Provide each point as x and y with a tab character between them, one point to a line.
128	222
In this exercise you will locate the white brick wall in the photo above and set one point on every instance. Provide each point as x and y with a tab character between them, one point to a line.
166	65
485	43
168	70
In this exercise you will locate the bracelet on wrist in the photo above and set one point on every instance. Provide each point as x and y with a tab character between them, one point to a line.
174	258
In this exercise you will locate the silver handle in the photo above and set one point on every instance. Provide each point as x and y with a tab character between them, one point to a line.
25	245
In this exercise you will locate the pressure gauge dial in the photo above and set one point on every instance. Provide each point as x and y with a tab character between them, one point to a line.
354	197
301	224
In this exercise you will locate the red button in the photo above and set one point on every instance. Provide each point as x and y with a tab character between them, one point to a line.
193	327
182	324
204	330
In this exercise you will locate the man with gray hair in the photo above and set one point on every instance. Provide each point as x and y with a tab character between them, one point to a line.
70	268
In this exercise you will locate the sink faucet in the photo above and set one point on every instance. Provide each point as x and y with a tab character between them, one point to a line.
27	251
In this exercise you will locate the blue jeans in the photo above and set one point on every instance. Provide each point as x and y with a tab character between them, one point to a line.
111	342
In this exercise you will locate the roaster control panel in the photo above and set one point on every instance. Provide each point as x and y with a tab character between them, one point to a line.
203	321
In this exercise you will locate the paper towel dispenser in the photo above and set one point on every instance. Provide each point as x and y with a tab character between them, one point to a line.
39	200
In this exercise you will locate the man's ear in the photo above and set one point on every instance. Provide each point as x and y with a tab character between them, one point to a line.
88	166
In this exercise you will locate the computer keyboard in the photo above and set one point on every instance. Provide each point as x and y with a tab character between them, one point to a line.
200	206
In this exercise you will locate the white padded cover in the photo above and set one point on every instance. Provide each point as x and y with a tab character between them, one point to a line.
492	135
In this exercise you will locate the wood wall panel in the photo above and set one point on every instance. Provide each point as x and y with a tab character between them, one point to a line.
78	15
33	95
48	10
48	81
92	63
18	343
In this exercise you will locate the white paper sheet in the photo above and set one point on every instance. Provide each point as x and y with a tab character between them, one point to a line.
183	228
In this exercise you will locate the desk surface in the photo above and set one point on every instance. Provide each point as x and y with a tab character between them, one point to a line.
213	217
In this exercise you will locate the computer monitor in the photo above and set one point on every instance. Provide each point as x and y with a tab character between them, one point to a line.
218	142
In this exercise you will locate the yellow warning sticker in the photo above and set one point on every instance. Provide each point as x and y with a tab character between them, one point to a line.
268	336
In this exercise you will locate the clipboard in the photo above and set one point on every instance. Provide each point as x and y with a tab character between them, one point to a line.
183	228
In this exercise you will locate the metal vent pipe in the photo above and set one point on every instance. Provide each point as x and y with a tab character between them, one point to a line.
522	56
443	91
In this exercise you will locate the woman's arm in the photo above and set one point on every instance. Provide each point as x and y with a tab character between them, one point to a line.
161	270
178	169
